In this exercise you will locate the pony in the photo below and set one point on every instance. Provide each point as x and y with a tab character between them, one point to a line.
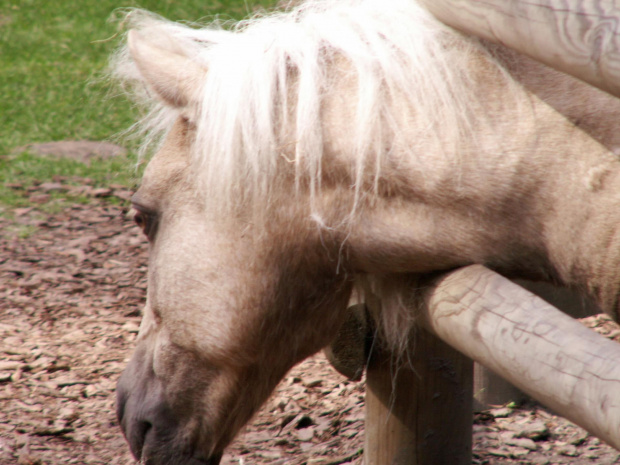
337	146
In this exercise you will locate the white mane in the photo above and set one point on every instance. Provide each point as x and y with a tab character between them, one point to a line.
395	47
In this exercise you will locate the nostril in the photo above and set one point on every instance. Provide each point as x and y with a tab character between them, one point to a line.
143	428
139	437
215	460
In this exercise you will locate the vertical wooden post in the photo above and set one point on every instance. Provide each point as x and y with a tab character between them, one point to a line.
419	412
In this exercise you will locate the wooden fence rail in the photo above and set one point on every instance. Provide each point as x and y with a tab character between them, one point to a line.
423	416
576	37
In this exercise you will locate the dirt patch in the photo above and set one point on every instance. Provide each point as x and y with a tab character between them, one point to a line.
70	300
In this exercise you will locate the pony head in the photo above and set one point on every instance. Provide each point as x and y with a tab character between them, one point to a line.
301	151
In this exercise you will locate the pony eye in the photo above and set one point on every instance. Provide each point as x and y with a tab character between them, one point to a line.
140	219
145	221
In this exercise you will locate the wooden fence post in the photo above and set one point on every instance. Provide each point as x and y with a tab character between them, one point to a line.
421	416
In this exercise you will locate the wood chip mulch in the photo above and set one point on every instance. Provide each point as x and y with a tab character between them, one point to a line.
70	299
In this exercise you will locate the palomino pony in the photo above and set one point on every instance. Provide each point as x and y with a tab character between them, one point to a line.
342	141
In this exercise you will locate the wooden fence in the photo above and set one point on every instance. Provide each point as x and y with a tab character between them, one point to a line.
423	415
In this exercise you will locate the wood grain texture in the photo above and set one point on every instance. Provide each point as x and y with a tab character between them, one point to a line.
542	351
578	37
419	413
491	389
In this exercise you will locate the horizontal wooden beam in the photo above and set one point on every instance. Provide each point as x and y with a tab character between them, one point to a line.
580	38
547	354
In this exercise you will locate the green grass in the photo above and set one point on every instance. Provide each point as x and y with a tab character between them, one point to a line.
52	58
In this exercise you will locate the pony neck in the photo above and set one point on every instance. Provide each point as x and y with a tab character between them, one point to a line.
545	206
582	234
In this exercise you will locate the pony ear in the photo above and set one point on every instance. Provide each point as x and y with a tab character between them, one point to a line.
174	77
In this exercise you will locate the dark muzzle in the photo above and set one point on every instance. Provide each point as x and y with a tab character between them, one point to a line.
148	422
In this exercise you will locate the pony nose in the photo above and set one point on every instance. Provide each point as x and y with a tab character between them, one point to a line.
148	422
132	414
141	409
